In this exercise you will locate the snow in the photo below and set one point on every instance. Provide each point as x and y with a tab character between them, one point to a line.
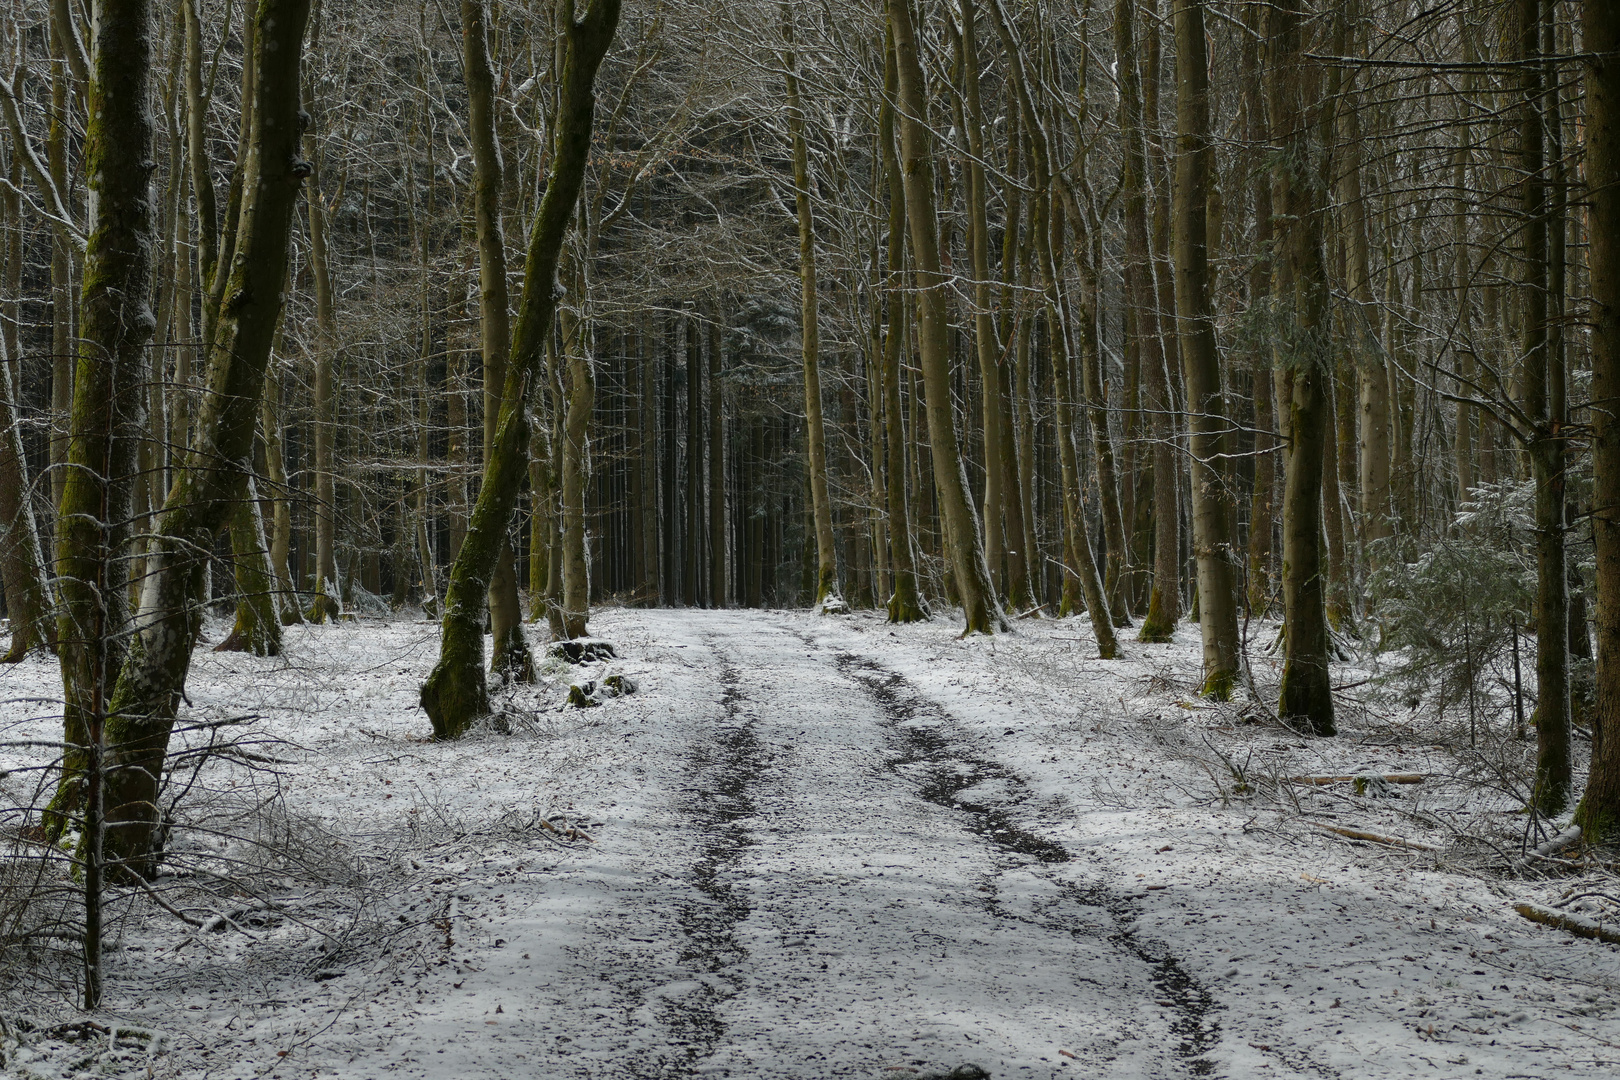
823	846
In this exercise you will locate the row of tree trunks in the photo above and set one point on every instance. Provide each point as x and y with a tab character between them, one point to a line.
213	478
1145	297
980	606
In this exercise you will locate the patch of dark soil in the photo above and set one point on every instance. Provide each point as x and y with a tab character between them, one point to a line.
950	770
718	802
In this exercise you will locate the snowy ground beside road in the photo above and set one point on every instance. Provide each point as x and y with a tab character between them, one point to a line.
828	847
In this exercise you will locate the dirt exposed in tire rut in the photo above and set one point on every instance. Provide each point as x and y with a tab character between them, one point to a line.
718	801
951	770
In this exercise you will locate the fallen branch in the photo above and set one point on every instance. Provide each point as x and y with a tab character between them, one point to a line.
567	831
1578	925
1567	838
1389	778
1389	841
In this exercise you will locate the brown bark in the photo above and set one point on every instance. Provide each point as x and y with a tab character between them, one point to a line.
510	656
1213	541
815	428
1304	352
1164	600
980	609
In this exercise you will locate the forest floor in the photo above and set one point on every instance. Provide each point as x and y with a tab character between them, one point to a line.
818	847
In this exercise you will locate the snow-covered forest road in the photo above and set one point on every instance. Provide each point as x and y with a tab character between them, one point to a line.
838	882
825	847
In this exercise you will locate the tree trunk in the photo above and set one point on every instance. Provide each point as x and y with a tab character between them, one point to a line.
1377	507
455	694
581	400
717	469
696	507
1164	601
980	609
22	560
1002	519
815	430
326	605
1304	353
212	480
1544	405
280	504
1213	542
1599	810
905	602
510	656
1262	501
63	341
101	457
258	623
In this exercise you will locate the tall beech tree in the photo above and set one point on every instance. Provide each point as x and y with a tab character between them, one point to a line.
212	479
1599	810
1146	301
94	512
906	603
510	652
1545	418
980	607
1302	349
455	693
1213	538
809	325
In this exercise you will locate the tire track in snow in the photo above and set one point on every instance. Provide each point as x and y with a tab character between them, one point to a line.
718	801
951	771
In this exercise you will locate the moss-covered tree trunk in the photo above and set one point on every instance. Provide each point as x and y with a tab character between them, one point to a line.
980	608
510	656
108	420
1306	696
212	479
1213	540
258	622
455	694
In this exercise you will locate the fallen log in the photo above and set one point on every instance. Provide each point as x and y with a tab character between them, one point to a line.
1579	925
1374	838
